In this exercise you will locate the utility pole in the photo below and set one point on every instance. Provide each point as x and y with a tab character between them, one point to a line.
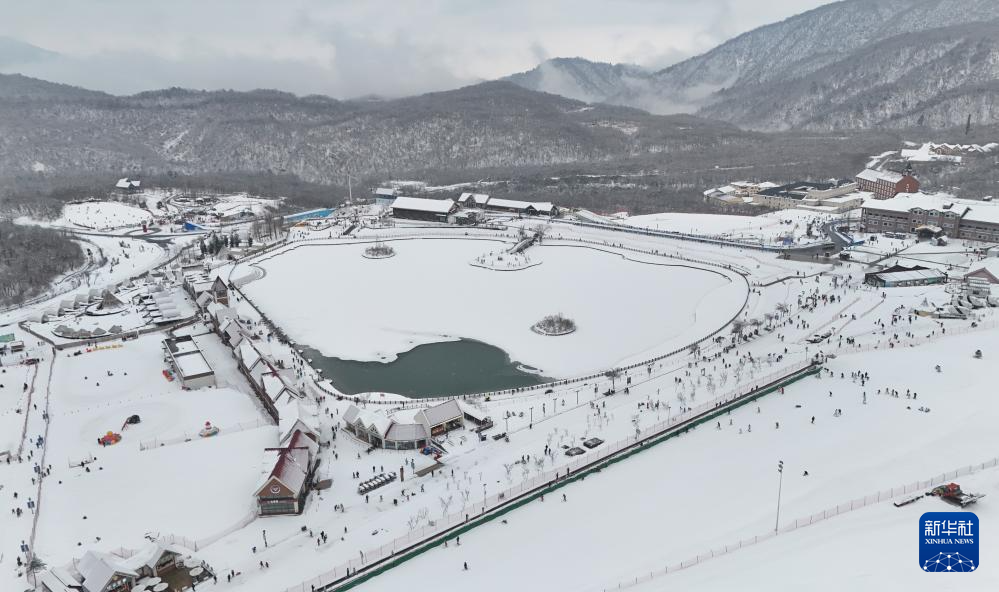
780	485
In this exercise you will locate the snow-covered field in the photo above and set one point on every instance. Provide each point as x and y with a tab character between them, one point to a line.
429	292
128	492
954	257
103	215
13	405
770	227
870	549
714	487
705	489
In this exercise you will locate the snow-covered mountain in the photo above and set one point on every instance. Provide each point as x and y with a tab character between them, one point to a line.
583	80
788	74
493	124
936	78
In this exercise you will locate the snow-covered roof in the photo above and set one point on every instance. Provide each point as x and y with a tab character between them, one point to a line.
233	332
911	274
437	206
400	432
904	202
471	411
187	357
292	465
275	386
222	312
204	298
441	413
375	420
192	364
478	199
291	418
385	192
98	569
248	355
380	423
983	211
58	579
875	176
351	414
150	555
989	264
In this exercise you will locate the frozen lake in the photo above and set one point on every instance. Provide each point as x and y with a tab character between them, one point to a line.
432	369
627	308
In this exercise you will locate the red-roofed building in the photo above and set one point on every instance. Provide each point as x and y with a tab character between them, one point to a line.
287	486
886	184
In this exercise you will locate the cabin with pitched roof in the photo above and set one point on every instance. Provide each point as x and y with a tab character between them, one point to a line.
286	487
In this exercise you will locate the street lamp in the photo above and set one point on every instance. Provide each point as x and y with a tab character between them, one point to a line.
577	396
780	484
531	425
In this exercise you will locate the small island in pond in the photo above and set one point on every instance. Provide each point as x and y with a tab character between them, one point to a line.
555	324
379	250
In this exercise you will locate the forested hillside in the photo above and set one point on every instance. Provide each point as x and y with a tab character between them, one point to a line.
31	257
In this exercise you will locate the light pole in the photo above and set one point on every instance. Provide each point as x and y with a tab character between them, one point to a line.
265	538
780	485
531	425
577	396
346	160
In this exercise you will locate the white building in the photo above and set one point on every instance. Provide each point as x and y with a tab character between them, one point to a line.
188	363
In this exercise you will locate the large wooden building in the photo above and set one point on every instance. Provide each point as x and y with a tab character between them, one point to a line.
287	486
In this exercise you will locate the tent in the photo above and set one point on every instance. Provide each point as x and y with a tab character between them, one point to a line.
110	302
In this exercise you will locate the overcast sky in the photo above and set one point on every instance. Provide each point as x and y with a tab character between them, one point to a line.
350	48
